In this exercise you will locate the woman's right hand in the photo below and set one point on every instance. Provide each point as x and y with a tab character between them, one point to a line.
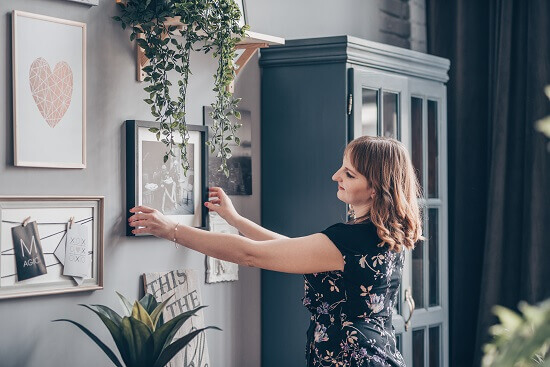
220	203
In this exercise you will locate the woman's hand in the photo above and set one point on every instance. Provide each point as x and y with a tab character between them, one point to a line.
220	203
151	221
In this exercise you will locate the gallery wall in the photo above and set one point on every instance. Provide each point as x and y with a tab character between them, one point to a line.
27	337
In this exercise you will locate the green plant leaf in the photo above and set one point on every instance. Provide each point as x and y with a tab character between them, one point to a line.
157	312
106	311
139	313
126	305
148	302
96	340
136	334
163	335
114	327
169	352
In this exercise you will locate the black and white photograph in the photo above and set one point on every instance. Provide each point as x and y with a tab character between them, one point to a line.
165	186
239	181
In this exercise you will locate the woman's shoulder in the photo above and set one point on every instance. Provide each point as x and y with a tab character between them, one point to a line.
353	235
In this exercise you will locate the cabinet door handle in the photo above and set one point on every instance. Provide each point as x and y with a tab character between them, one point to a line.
410	301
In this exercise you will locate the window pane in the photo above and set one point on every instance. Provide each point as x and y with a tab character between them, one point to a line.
416	135
390	102
433	255
418	274
433	153
434	345
369	112
418	348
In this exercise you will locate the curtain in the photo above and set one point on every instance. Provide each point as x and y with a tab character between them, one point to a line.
499	166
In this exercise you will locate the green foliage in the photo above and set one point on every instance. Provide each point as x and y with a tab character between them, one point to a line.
141	336
520	340
210	25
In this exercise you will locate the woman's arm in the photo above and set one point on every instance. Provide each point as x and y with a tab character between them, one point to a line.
302	255
254	231
220	203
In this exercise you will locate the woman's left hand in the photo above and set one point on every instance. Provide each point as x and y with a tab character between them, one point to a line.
152	222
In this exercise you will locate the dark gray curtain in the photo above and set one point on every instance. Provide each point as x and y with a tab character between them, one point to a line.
499	168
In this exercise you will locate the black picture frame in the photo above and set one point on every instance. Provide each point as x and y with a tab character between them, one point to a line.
137	132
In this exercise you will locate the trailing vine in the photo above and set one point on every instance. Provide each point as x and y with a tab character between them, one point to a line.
214	23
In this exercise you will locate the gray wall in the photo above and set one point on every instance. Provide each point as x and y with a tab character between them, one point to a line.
27	338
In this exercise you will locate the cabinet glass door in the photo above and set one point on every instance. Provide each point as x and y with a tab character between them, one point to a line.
379	102
429	323
413	111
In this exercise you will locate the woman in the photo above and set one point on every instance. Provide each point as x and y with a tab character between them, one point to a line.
352	270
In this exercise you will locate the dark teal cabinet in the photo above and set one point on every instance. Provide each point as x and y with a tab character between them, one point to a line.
316	96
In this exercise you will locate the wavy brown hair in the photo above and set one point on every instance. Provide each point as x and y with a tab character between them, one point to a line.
395	211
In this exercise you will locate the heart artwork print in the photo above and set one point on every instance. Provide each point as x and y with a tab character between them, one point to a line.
52	91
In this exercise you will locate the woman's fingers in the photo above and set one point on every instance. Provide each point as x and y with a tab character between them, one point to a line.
142	208
139	223
140	230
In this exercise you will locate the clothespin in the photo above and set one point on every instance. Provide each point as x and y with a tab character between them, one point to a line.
26	221
71	222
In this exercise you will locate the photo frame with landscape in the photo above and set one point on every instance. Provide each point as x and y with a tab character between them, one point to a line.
163	185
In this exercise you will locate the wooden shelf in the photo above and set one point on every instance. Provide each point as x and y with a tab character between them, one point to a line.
250	44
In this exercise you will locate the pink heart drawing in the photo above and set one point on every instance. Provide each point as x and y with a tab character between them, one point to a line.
52	92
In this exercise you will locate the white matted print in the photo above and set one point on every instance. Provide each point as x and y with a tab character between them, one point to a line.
219	270
163	186
49	91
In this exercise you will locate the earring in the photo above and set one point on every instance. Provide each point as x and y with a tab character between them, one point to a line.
351	213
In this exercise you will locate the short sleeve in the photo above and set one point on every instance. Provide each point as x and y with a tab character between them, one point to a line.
352	238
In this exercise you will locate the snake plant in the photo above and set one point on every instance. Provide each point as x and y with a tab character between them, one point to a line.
141	336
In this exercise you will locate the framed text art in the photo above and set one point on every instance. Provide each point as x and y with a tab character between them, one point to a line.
49	91
163	185
50	245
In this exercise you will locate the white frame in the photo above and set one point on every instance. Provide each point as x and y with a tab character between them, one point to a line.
14	208
78	163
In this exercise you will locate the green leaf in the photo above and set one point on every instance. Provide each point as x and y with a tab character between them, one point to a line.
105	311
126	305
238	115
96	340
168	353
163	335
137	334
113	322
157	312
139	313
148	302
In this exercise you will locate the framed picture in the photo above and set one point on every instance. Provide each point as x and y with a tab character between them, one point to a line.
244	19
49	91
87	2
219	270
239	181
164	186
38	245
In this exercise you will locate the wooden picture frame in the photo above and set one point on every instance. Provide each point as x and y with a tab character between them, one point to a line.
49	91
52	215
163	186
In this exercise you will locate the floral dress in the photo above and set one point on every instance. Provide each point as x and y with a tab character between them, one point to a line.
351	310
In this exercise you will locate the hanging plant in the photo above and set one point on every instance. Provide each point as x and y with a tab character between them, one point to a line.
206	25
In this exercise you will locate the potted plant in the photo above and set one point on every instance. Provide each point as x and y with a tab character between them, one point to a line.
141	336
167	31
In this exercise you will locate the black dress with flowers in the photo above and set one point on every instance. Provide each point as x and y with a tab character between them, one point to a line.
351	310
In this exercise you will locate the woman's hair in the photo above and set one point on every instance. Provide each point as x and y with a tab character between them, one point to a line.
395	211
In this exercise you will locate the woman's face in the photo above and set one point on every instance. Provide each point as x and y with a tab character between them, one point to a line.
353	187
